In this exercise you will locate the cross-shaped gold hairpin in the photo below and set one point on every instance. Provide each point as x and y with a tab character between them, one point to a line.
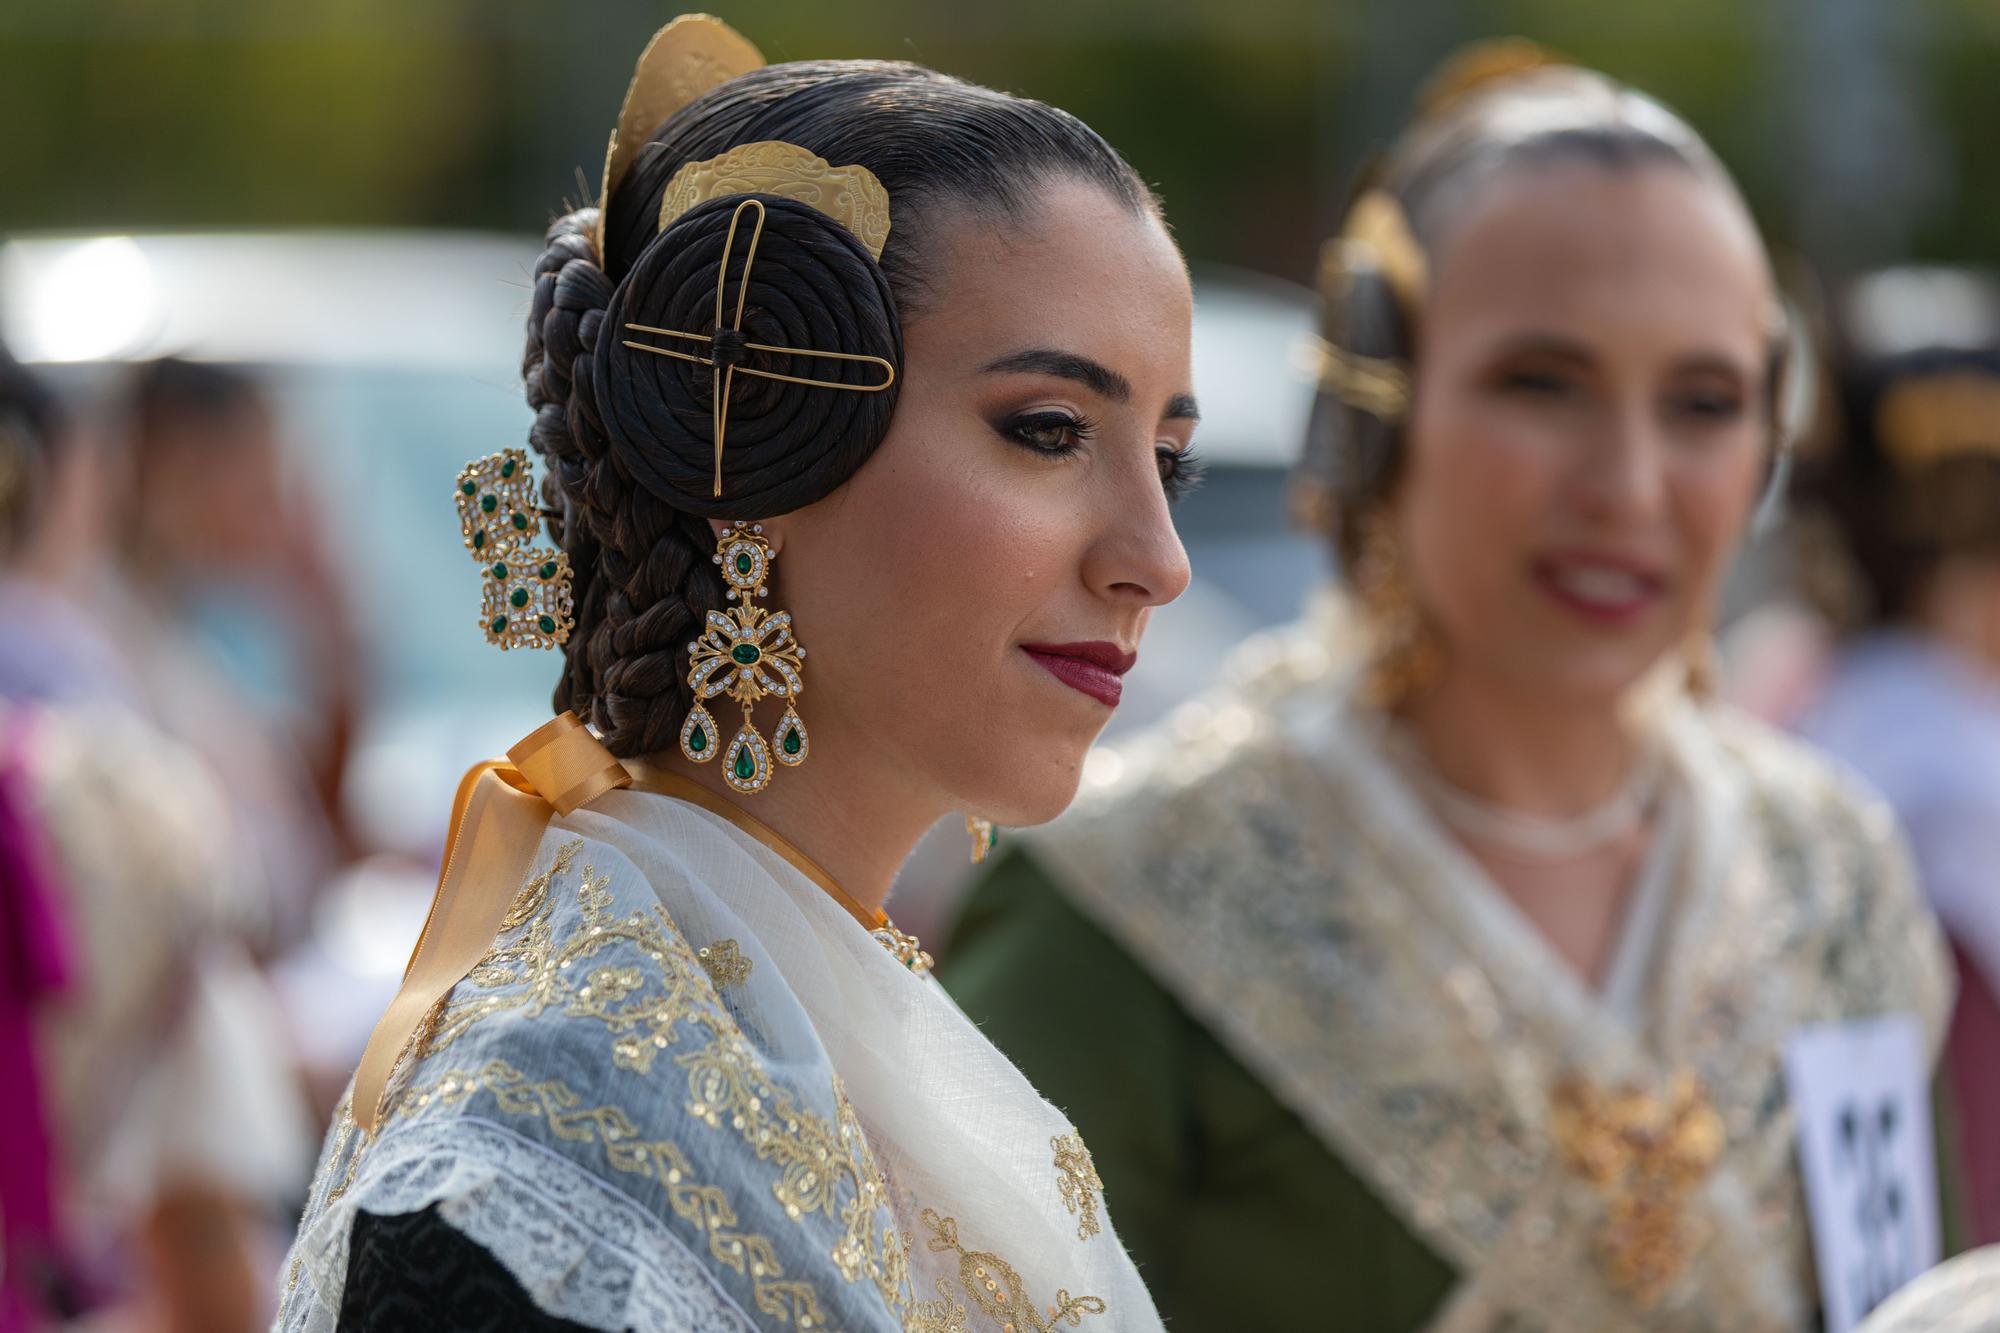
726	354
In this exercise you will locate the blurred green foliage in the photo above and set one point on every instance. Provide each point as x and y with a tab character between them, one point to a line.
1250	115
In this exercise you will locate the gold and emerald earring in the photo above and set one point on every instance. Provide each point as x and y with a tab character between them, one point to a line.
980	832
747	653
526	599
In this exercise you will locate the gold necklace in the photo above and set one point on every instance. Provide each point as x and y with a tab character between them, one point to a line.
900	945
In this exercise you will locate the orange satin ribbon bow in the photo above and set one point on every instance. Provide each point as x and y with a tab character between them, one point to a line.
497	821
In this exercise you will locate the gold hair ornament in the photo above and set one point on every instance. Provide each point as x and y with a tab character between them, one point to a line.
726	366
1375	386
850	195
694	53
746	654
1379	226
525	593
1376	235
1930	419
1478	67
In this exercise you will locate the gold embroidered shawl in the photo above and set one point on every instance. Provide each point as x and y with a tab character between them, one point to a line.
686	1090
1267	865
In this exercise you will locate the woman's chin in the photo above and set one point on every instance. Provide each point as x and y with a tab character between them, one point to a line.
1033	789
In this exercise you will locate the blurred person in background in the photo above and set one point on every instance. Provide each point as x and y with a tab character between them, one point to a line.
904	362
231	614
1909	495
1439	971
146	1120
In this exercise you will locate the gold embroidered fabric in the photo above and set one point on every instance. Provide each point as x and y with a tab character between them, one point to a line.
1267	865
1076	1176
597	1030
724	962
998	1292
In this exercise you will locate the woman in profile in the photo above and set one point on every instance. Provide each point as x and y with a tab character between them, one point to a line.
1437	972
852	357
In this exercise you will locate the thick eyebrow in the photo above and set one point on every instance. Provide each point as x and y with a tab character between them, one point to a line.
1099	379
1713	363
1547	344
1181	407
1568	349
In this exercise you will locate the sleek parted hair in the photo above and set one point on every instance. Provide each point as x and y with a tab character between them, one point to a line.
627	434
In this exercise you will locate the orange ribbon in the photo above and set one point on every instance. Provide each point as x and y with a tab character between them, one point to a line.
497	822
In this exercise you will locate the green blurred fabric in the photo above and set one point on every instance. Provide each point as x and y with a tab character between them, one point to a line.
1238	1216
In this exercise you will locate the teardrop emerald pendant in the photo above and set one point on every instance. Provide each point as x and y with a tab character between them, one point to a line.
698	735
793	744
747	765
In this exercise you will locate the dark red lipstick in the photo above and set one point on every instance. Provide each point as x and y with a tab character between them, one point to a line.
1092	668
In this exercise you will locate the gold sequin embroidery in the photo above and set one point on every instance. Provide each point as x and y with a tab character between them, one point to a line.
1076	1177
643	1010
706	1206
725	964
998	1291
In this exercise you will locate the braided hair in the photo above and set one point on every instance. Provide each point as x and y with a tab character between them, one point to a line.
627	435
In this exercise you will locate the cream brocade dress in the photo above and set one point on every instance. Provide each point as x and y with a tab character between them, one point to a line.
686	1090
1267	863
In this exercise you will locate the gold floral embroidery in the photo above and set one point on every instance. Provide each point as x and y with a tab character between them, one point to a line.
946	1314
643	1009
706	1206
1076	1176
1645	1155
725	964
997	1290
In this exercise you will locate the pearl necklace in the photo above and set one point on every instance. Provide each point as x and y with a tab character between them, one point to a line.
1529	837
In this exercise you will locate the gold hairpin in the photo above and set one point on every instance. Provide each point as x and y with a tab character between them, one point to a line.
694	53
1375	386
725	358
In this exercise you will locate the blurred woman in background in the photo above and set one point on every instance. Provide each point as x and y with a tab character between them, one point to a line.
150	1119
229	608
1437	972
1909	494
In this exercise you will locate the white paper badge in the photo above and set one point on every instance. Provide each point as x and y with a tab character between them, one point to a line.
1861	1091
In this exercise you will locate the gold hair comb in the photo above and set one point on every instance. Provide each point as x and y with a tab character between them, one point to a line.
694	53
849	195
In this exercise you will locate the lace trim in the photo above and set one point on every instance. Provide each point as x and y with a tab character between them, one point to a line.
581	1250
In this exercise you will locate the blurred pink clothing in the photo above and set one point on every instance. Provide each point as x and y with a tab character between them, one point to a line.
34	967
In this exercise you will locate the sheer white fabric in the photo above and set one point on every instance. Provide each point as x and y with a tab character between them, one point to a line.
822	1132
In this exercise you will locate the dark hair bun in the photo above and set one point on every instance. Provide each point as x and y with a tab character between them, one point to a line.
812	286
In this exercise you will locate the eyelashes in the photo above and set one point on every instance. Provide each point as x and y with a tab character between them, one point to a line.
1181	470
1054	433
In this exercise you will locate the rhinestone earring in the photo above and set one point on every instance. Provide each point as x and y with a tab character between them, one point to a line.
525	597
1407	657
747	653
984	839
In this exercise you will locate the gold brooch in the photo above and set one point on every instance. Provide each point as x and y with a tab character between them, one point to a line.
1646	1155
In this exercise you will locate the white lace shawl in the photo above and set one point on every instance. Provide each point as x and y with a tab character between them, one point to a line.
687	1091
